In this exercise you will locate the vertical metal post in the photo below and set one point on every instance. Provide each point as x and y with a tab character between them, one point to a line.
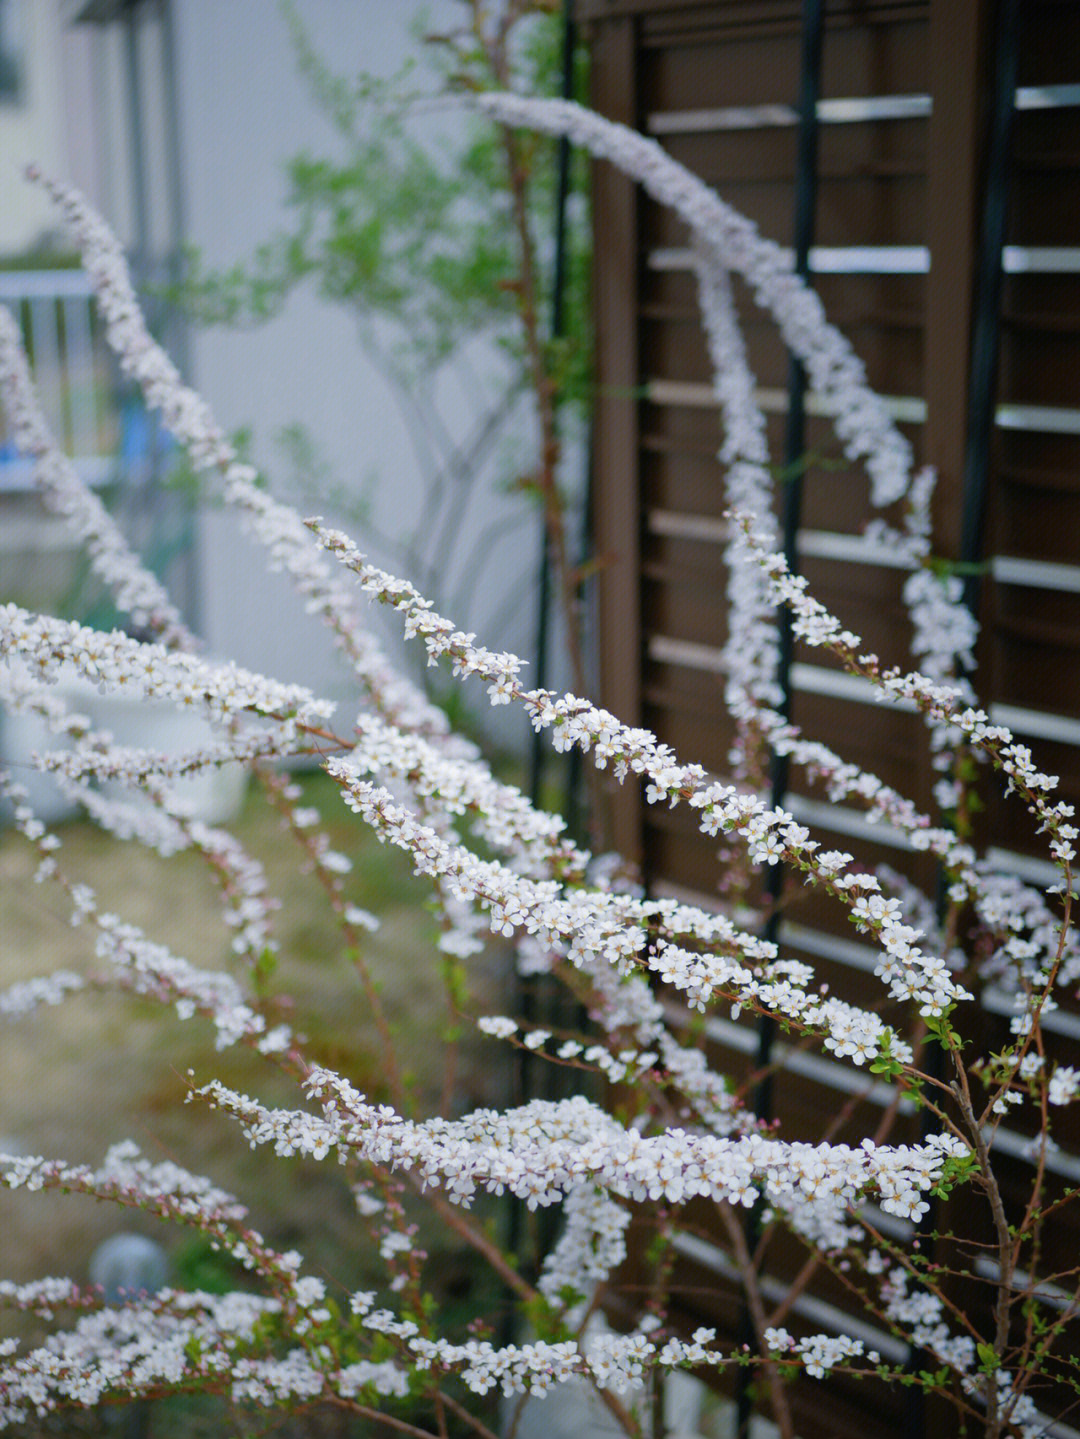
986	328
982	384
136	101
526	1000
812	36
179	335
558	324
174	172
538	749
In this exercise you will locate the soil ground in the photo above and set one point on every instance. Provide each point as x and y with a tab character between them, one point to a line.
106	1066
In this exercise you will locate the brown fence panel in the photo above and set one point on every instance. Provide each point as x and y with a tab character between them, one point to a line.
899	215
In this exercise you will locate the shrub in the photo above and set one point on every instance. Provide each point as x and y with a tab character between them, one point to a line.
665	1129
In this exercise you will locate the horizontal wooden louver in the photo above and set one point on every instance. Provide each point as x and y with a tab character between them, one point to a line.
902	122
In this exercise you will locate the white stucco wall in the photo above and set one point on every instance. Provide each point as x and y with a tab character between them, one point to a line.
33	126
244	113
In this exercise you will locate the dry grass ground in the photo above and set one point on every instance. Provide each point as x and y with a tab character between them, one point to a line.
105	1066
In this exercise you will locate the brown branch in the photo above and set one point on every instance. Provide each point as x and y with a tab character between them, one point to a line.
470	1419
274	787
756	1306
1006	1253
378	1417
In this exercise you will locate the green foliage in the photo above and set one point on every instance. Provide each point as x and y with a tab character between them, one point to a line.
416	236
199	1264
939	1027
191	484
43	259
957	1169
433	237
989	1362
545	1321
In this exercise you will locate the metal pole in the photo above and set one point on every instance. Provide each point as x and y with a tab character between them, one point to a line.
179	334
986	328
140	203
982	384
794	449
538	749
526	1000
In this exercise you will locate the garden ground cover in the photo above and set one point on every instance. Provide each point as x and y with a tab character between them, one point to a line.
104	1067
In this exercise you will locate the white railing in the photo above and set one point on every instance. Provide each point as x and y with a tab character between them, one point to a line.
73	372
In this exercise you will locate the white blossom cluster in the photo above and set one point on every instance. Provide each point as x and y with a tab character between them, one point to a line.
125	1173
136	1349
624	1005
751	652
1029	939
150	968
744	967
637	963
771	835
1064	1084
943	703
615	1361
137	592
544	1148
43	1296
136	767
827	1225
115	662
147	967
590	1248
920	1315
818	1353
23	998
24	693
163	825
861	419
189	419
452	786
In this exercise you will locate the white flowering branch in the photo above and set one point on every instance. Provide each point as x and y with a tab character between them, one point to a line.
670	1130
137	592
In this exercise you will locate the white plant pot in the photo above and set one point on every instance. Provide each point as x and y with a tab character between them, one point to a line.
20	736
213	796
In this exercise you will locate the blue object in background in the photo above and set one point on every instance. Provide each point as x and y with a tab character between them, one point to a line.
144	443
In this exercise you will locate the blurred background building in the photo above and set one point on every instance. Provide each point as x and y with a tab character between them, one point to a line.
177	118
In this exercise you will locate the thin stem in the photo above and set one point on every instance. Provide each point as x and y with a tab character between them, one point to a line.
1006	1252
274	786
475	1424
756	1306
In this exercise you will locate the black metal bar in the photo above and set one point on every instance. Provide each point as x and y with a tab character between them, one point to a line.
795	429
982	385
136	128
806	183
986	326
526	1000
538	751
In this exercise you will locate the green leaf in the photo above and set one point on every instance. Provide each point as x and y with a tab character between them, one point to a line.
988	1359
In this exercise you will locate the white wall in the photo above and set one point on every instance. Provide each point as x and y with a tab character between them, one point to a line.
244	113
33	127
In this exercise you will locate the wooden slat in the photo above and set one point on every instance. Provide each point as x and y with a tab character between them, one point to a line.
615	209
913	182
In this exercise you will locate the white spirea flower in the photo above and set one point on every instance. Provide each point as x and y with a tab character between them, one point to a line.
116	662
638	961
136	591
545	1148
498	1026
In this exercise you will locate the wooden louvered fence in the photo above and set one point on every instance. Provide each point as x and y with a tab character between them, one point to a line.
945	217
